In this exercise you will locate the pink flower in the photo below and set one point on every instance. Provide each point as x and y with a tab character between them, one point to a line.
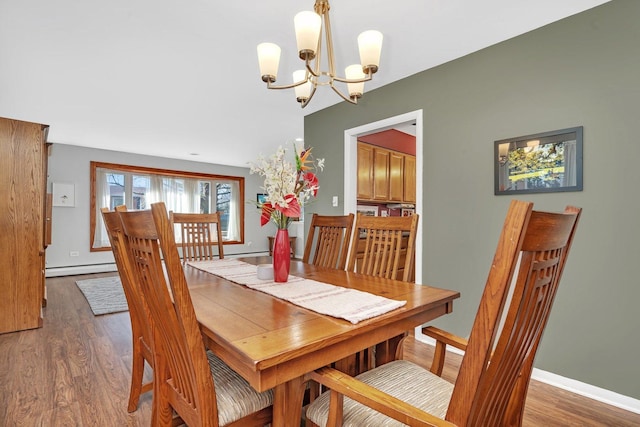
311	181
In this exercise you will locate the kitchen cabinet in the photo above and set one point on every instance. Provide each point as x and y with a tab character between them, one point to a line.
385	176
396	176
365	172
409	179
381	174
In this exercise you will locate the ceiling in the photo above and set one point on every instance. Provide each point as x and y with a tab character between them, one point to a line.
180	79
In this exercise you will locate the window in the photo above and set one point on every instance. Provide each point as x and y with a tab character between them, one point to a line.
137	187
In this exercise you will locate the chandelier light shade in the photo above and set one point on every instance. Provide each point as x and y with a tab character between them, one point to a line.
354	72
309	35
308	26
369	44
270	59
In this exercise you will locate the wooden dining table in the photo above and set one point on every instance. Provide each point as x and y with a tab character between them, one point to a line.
273	343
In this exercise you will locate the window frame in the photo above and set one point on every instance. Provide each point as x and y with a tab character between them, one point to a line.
116	167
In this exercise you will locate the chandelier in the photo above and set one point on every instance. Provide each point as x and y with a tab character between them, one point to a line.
308	26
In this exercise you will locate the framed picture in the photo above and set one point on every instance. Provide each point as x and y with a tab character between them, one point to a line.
407	212
261	198
546	162
367	210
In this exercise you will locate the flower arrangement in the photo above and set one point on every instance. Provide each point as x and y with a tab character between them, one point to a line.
288	185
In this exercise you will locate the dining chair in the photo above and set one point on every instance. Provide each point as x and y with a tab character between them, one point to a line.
198	240
381	247
140	332
494	375
384	246
189	380
329	237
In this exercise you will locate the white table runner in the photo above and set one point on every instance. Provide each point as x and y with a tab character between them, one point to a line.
323	298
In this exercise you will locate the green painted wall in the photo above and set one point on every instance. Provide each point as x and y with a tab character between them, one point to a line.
581	71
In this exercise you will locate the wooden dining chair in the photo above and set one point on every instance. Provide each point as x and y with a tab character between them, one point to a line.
328	238
492	382
189	380
200	235
381	247
140	332
384	246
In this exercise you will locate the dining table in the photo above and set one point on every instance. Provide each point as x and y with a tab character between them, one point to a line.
273	343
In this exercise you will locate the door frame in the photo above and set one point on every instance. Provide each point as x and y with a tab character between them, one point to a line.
351	169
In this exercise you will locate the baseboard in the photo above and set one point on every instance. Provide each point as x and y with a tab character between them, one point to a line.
583	389
587	390
80	269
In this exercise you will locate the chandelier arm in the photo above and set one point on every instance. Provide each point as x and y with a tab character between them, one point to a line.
305	102
329	43
318	57
289	86
314	73
346	98
368	77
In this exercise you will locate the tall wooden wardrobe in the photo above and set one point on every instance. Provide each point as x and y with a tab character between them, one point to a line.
23	223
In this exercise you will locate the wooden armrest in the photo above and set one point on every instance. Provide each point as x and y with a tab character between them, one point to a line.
443	338
341	384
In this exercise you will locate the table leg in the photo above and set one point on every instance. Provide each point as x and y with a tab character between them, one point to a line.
287	403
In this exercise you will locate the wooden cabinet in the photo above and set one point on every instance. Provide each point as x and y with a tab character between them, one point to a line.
380	174
385	175
23	178
365	171
396	177
409	179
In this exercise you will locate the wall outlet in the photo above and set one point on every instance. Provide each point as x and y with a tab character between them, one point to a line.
74	253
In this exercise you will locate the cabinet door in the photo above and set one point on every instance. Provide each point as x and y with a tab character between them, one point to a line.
381	174
396	176
365	172
409	179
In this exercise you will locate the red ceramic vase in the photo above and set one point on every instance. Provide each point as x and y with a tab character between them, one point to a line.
281	256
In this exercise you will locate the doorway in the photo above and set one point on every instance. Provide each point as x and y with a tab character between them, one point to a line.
351	136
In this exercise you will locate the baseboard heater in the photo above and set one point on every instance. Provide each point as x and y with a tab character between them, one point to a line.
80	269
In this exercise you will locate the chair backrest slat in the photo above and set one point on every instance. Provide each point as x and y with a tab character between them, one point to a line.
377	246
331	235
200	235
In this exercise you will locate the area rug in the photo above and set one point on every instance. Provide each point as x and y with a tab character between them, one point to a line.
104	295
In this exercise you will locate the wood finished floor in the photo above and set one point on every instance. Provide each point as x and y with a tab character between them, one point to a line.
75	372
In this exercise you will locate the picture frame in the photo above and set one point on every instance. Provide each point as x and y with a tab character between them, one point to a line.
260	199
367	210
546	162
407	212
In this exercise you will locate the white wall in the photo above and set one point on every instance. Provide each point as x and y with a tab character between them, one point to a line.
70	225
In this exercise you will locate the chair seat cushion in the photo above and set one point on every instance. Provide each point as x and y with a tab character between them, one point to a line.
401	379
236	398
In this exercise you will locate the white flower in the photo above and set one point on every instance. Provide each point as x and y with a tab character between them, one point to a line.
288	185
